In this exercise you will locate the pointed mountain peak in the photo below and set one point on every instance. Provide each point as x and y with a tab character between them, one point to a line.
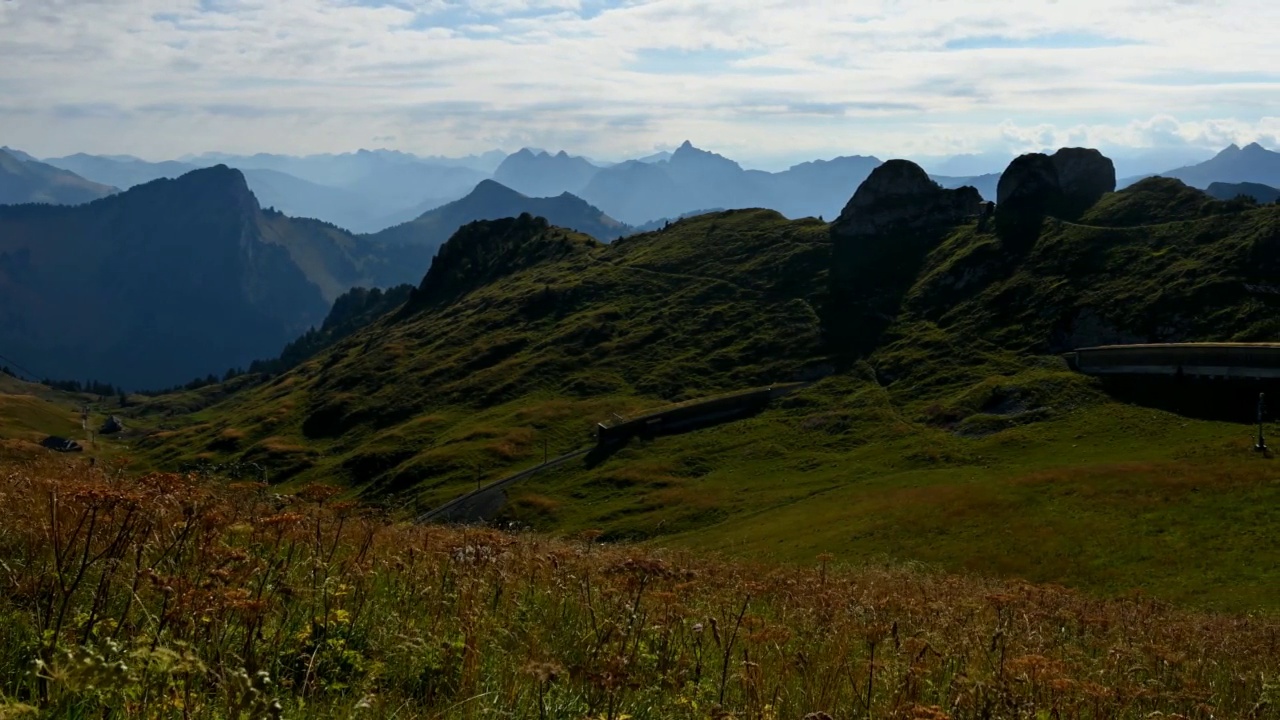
689	156
217	184
522	153
1229	151
562	155
492	189
1254	149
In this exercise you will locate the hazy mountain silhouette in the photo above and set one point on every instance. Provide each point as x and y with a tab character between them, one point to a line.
491	200
173	279
691	179
656	157
122	172
1251	163
637	192
391	179
30	181
820	188
24	157
986	184
542	174
486	162
1257	191
364	191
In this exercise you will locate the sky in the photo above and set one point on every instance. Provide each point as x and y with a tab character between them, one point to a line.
767	82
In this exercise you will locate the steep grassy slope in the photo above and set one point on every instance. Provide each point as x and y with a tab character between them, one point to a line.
963	439
576	331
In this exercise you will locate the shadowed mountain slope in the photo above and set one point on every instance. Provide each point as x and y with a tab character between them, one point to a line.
172	279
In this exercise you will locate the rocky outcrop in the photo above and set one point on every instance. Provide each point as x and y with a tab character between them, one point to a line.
1084	176
1063	185
1029	189
879	243
899	197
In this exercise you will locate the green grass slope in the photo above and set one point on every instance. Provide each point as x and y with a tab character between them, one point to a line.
962	440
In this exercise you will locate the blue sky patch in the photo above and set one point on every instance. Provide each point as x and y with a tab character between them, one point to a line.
687	62
1053	41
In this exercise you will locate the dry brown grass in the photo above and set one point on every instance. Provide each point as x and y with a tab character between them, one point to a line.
171	596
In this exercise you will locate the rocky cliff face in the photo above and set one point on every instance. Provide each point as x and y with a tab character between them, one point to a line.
167	281
897	216
1064	184
486	250
1084	176
898	196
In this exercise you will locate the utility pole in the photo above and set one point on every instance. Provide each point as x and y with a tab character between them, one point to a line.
544	451
1262	407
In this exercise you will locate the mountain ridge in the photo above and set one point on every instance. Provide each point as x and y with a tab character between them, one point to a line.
26	180
172	279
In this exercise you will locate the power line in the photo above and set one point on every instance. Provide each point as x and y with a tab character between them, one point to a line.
34	377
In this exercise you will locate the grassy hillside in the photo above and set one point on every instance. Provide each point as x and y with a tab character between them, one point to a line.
963	439
164	596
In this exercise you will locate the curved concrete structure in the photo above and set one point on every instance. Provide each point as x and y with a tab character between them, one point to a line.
1244	361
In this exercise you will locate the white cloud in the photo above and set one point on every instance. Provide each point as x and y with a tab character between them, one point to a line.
776	78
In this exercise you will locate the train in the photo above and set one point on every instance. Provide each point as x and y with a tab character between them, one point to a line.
688	415
1202	360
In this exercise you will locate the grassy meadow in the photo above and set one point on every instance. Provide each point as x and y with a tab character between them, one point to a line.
170	596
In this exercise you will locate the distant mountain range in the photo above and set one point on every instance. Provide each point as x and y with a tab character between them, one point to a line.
492	201
1251	163
986	184
175	279
26	180
672	184
543	174
363	191
371	190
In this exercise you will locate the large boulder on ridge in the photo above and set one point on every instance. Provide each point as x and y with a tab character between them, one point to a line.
880	242
1029	186
1084	176
900	197
1063	185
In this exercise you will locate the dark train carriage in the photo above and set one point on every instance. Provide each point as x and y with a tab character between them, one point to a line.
684	416
1213	360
